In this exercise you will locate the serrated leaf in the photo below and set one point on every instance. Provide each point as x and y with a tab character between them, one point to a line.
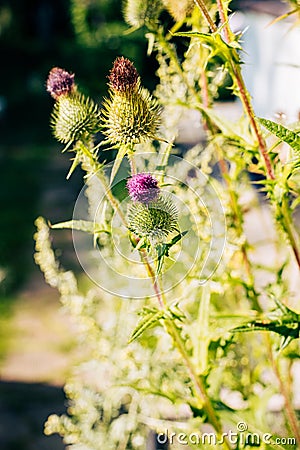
282	133
288	330
148	321
215	42
81	225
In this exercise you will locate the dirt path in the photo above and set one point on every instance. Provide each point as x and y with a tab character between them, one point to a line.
41	352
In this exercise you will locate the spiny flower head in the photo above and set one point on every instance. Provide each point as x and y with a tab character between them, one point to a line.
74	117
141	12
60	82
132	118
154	220
143	187
130	115
123	76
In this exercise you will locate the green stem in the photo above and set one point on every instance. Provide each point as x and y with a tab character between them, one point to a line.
245	98
288	226
200	390
202	6
236	210
236	71
130	156
289	410
244	95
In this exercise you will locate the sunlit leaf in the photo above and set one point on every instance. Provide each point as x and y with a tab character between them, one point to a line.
283	133
81	225
149	320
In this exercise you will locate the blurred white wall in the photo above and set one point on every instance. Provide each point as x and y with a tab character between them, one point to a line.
272	63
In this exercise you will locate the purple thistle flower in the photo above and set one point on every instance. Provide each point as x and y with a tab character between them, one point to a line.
123	76
143	188
60	82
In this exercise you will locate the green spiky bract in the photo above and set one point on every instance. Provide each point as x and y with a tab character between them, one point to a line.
74	117
154	221
131	118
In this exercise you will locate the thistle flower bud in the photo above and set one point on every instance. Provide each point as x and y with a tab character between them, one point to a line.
154	220
141	12
123	76
60	82
130	115
143	187
74	117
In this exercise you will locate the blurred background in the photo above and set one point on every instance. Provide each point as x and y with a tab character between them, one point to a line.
36	349
84	37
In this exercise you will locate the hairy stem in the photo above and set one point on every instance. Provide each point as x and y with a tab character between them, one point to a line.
236	71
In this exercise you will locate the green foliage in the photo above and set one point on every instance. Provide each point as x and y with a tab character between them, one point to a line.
283	134
198	345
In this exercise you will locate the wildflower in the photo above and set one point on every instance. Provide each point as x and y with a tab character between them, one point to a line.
154	220
123	76
74	116
143	187
130	115
60	82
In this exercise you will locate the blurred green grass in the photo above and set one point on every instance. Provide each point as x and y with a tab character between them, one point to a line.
34	37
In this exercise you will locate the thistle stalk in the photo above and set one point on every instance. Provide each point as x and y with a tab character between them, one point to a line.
200	390
289	410
243	93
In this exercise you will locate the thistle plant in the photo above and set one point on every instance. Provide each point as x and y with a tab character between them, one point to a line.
212	337
74	117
